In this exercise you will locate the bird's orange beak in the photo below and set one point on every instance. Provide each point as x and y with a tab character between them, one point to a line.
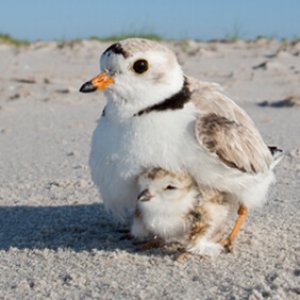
99	82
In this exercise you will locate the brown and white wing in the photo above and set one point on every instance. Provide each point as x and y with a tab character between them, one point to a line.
234	144
208	98
225	130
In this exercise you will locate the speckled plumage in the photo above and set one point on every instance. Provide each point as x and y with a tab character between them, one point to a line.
188	214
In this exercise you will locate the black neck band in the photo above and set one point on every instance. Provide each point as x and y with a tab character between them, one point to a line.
176	101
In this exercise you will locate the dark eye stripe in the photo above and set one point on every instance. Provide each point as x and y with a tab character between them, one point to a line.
140	66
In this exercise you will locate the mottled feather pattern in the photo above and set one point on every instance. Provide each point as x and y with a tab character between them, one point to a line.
198	220
189	214
236	145
226	130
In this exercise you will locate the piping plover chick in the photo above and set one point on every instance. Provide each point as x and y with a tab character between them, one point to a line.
173	208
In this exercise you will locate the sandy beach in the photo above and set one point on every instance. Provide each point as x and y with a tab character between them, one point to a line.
56	239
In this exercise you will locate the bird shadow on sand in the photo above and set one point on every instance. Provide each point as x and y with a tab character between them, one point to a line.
76	227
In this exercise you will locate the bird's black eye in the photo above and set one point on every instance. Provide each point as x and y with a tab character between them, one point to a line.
171	187
140	66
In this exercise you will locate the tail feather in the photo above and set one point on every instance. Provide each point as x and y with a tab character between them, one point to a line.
277	154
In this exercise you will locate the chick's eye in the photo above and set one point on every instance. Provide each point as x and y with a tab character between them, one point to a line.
140	66
170	187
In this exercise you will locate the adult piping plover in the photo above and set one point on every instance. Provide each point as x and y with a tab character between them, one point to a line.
173	208
156	116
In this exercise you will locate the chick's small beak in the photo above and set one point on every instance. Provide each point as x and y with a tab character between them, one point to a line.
145	195
99	82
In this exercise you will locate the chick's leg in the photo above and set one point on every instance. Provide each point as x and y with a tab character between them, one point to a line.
242	215
149	244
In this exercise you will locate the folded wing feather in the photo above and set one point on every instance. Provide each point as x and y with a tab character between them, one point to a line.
224	129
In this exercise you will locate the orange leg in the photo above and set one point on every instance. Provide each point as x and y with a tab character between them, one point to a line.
242	215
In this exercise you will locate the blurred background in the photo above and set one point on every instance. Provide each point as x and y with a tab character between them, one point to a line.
172	19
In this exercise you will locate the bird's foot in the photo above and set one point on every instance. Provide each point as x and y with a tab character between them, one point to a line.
227	244
149	244
182	256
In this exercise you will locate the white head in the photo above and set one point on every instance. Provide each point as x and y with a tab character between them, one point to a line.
169	193
137	73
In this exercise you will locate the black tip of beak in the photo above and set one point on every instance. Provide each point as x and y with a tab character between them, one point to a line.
88	87
144	196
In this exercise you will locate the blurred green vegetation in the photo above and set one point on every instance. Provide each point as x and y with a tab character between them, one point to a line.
118	37
233	36
9	40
